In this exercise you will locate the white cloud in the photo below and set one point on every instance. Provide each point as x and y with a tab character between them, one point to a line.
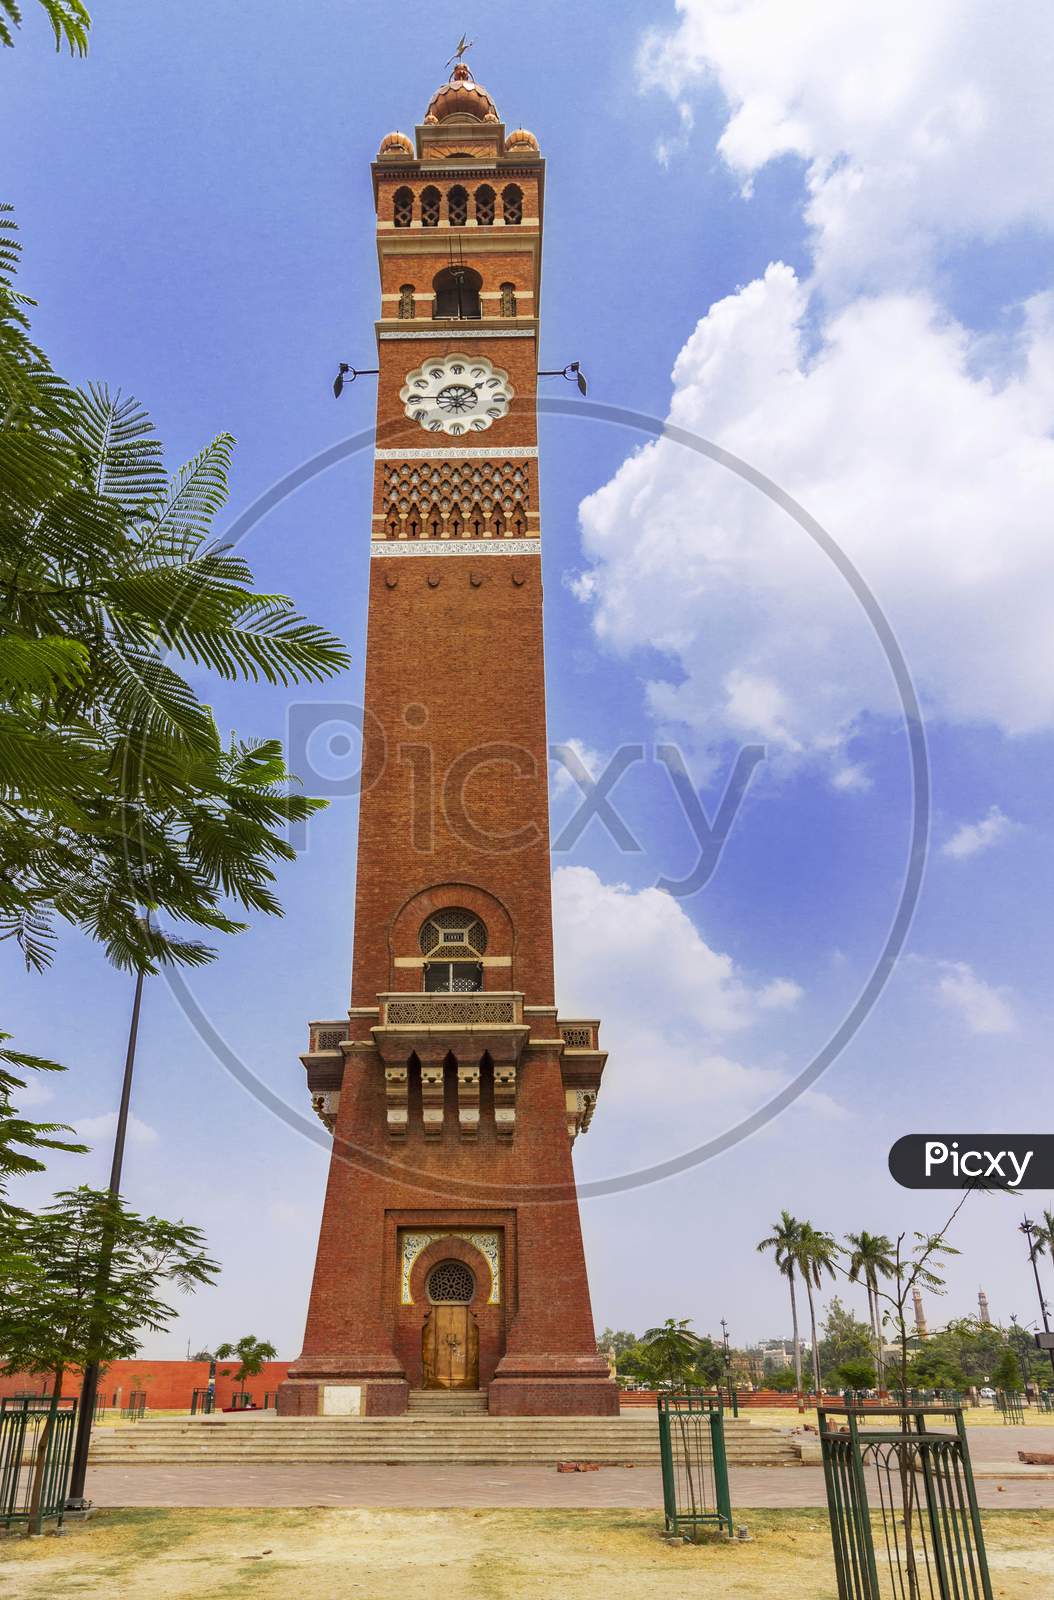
972	837
562	780
94	1130
779	995
668	1001
984	1009
851	778
36	1093
918	125
933	479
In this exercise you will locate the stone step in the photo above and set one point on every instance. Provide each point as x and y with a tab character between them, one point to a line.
472	1438
482	1444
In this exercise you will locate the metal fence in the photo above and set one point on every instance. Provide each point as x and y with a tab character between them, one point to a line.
36	1447
904	1518
1010	1404
202	1402
694	1464
135	1410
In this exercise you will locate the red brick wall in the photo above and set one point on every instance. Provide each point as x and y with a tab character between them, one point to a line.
169	1385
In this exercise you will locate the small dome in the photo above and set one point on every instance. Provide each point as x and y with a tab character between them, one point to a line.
461	96
395	144
521	139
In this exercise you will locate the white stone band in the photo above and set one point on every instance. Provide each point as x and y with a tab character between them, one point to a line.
480	452
461	332
455	547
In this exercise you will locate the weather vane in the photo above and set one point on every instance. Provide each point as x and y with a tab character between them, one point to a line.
464	45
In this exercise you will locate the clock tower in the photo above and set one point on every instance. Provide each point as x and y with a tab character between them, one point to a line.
450	1253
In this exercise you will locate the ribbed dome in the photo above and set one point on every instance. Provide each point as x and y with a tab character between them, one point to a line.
395	144
521	139
461	96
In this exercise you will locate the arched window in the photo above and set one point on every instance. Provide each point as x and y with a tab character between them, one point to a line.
512	204
457	206
406	300
430	207
451	1283
508	299
453	942
456	293
486	200
403	207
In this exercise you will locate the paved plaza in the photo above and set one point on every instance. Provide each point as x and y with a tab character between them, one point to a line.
1001	1482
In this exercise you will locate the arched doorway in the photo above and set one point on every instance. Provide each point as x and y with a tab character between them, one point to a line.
450	1338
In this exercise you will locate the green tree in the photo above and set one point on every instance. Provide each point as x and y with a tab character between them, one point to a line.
57	1314
935	1367
116	791
251	1353
817	1253
69	20
638	1364
616	1339
856	1372
783	1241
845	1338
1007	1372
785	1382
707	1370
21	1141
673	1347
870	1259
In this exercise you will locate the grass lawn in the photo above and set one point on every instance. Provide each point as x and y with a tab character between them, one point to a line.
477	1555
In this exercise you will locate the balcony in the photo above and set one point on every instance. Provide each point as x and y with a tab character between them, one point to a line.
466	1024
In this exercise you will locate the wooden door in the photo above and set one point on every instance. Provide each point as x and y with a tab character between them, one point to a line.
450	1348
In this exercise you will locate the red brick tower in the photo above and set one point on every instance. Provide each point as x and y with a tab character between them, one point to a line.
450	1253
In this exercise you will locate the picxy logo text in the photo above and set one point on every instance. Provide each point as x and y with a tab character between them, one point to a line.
954	1161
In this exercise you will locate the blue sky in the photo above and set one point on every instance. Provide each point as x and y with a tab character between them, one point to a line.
830	250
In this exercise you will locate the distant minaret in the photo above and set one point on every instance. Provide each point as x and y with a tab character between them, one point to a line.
920	1315
982	1306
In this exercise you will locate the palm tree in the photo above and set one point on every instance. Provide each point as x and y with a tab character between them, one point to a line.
251	1353
674	1346
816	1254
871	1257
784	1242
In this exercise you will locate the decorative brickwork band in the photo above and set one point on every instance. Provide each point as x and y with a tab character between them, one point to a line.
455	547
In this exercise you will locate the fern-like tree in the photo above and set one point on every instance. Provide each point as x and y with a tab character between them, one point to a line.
117	793
69	20
783	1242
817	1253
251	1353
674	1348
870	1259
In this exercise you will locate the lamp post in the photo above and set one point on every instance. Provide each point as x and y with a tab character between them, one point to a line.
1027	1228
726	1347
90	1386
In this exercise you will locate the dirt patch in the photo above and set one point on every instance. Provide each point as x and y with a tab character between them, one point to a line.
482	1555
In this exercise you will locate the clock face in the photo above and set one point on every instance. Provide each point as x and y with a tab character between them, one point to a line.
456	394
